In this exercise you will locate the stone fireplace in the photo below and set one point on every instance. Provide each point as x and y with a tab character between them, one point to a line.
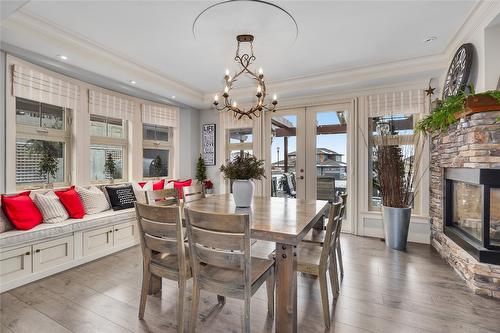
459	157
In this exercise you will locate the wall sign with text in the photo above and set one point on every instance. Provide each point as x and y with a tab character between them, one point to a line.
208	144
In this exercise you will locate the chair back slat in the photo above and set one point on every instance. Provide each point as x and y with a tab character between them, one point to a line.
163	245
218	222
231	241
163	197
193	193
160	230
331	231
221	240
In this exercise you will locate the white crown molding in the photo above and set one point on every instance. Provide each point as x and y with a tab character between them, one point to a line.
78	45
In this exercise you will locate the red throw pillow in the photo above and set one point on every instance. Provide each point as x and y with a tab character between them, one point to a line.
72	202
21	211
141	184
180	184
159	185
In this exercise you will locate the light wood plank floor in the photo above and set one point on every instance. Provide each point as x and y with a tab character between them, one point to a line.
382	291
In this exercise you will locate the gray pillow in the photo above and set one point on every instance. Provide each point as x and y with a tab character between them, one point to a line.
93	199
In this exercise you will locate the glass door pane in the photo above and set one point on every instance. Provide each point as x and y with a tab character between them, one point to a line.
331	154
283	155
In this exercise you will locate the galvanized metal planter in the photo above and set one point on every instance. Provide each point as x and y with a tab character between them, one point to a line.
396	224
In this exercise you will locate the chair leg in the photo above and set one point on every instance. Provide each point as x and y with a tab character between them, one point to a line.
146	276
180	307
246	315
270	285
194	306
334	279
339	255
324	297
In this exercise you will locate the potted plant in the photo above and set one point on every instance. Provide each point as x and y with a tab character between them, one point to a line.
110	168
397	168
47	152
209	186
157	166
201	170
242	170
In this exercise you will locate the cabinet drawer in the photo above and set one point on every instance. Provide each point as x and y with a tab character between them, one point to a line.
124	233
97	240
52	253
15	264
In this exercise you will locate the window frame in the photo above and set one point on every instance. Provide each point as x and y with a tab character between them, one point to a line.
31	132
160	145
110	141
242	146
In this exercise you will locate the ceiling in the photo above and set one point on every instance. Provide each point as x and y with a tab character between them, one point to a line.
156	37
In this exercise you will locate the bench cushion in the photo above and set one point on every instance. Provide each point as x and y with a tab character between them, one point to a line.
44	231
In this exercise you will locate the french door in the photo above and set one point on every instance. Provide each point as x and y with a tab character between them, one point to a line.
311	152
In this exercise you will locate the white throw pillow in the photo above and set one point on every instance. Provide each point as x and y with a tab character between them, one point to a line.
94	200
51	207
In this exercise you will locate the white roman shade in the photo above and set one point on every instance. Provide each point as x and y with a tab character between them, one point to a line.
229	121
110	105
37	86
163	115
397	102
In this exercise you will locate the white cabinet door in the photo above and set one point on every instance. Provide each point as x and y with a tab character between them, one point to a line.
124	233
95	241
15	264
52	253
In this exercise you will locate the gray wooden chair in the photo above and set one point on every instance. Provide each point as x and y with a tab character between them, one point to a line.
318	236
164	251
193	193
163	197
321	260
221	261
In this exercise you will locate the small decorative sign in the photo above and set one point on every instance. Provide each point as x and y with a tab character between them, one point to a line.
208	144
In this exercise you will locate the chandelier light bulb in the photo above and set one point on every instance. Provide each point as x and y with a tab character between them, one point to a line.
259	89
226	89
235	104
227	72
216	98
275	97
261	71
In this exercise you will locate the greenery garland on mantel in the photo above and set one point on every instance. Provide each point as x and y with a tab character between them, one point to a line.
448	112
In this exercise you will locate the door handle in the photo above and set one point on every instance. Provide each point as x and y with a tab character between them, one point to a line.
301	177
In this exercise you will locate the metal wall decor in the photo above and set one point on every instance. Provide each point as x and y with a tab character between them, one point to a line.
244	61
458	73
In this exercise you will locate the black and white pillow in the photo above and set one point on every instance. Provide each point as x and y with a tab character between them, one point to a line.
121	197
51	207
94	200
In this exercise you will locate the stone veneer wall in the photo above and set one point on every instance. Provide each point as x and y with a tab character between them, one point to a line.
473	144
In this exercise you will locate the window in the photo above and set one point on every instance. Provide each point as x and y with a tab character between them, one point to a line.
401	125
157	146
41	132
108	139
239	142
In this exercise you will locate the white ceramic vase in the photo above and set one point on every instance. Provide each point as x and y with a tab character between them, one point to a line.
243	192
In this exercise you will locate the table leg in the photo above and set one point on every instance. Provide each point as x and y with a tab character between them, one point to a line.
286	288
154	285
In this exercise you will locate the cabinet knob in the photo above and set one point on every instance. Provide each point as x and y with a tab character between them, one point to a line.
27	253
37	250
116	229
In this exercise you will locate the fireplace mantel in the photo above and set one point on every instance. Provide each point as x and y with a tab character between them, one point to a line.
472	144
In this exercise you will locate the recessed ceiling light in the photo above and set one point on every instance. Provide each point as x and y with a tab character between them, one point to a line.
430	39
132	82
173	97
62	57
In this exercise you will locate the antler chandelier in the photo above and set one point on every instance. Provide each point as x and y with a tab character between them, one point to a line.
245	60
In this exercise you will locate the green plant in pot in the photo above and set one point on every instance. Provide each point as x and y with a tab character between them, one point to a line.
201	170
242	170
47	152
397	167
110	168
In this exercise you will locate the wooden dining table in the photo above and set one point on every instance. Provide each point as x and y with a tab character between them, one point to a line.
284	221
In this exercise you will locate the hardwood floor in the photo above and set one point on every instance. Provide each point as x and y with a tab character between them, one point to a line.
382	291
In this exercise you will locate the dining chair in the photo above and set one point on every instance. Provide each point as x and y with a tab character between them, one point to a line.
318	236
221	261
164	251
163	197
321	260
193	193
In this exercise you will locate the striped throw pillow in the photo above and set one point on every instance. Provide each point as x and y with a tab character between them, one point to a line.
93	199
51	207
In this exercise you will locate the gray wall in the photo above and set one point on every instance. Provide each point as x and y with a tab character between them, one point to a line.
189	136
212	117
2	121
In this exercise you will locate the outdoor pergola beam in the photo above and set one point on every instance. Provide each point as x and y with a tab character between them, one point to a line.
322	129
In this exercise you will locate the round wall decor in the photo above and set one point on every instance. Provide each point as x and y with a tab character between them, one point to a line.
458	73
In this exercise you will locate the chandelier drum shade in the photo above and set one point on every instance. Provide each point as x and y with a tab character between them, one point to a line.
244	61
